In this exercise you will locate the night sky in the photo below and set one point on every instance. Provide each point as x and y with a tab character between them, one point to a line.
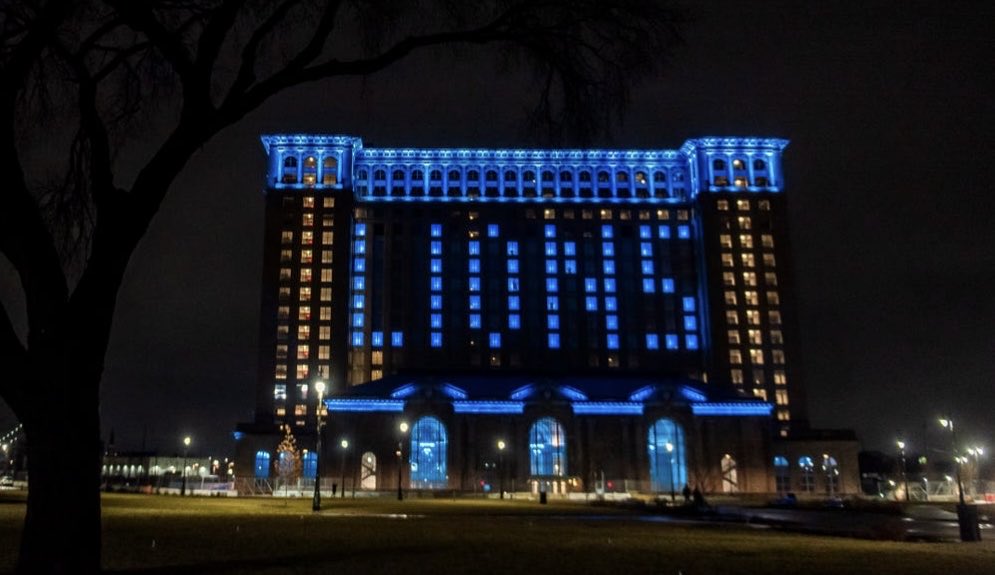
891	116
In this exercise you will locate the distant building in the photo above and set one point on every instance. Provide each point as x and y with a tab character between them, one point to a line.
615	319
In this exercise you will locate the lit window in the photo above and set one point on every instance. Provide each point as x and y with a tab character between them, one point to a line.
736	376
514	321
645	233
512	248
770	278
474	265
742	204
612	341
609	267
690	323
550	248
376	339
691	341
287	237
671	339
777	357
307	256
475	283
609	285
326	275
652	341
647	267
730	298
326	294
732	318
360	265
570	267
726	260
360	230
725	240
649	286
667	285
728	279
590	285
326	256
326	238
733	336
750	297
663	232
755	336
688	303
435	320
281	371
553	340
683	232
357	319
494	340
305	294
745	222
722	205
645	249
549	230
776	337
474	321
769	260
735	357
513	266
552	303
551	266
552	321
753	317
492	230
435	283
591	303
436	248
475	302
774	317
474	248
767	240
746	240
357	338
611	322
780	378
436	230
749	279
436	339
359	247
436	302
756	356
397	339
611	304
435	266
569	249
513	303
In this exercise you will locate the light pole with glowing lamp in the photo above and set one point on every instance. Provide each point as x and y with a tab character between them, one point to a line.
345	445
673	490
905	478
319	387
400	458
967	516
183	472
501	446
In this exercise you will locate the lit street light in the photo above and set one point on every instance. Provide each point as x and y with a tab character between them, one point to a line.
183	472
905	479
967	516
400	459
500	446
673	492
345	445
319	387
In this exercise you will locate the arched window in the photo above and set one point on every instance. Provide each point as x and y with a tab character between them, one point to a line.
659	177
529	178
730	480
622	177
603	177
473	176
428	454
331	162
290	162
453	176
380	174
547	176
547	448
782	474
832	471
435	175
759	164
718	164
309	465
807	474
417	176
368	479
566	176
397	176
509	176
361	175
667	455
310	162
262	465
491	176
738	164
641	179
585	176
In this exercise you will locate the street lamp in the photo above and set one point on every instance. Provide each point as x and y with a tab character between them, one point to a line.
967	517
905	479
319	386
183	472
345	445
670	452
949	424
400	453
500	446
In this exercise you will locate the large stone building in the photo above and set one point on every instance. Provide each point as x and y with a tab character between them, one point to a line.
539	320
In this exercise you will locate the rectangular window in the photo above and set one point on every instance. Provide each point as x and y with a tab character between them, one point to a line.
647	267
611	304
324	332
552	286
492	230
736	376
552	322
514	321
767	240
435	230
732	318
513	266
326	256
756	356
550	266
769	260
690	323
436	339
360	230
730	297
667	285
684	232
590	285
748	260
733	336
649	286
735	357
569	249
553	340
286	255
606	231
608	249
645	249
776	337
753	317
357	319
473	265
591	303
570	267
672	340
750	297
302	371
474	248
744	222
474	321
328	202
305	294
611	322
435	248
552	303
726	260
549	230
512	248
307	256
742	204
494	340
609	285
324	352
376	339
287	237
749	279
359	265
435	302
688	303
746	241
691	341
475	302
663	232
774	317
326	275
612	341
550	248
435	320
435	266
652	341
514	303
326	294
475	283
777	357
645	233
755	336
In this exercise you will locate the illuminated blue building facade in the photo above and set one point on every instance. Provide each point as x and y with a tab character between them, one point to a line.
535	295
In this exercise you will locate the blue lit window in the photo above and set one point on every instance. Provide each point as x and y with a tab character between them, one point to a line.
550	248
377	339
513	302
436	302
309	464
436	266
551	285
690	323
397	339
688	303
649	286
357	319
645	249
513	266
359	265
492	230
645	233
357	302
360	230
608	249
652	341
611	322
262	465
359	283
474	248
495	340
663	232
514	321
552	321
475	302
550	231
436	283
359	247
357	338
513	284
475	321
553	340
683	232
436	230
436	321
569	249
647	267
570	267
474	266
590	285
609	285
428	451
667	285
552	303
606	231
512	248
547	448
609	266
667	455
611	304
591	303
613	341
671	341
436	338
436	248
475	283
691	340
550	266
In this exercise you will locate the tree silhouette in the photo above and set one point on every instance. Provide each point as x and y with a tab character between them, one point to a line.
81	82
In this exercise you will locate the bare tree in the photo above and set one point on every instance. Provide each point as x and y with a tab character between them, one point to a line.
81	82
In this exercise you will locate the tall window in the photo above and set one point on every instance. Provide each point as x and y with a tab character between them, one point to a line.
782	474
667	455
309	464
428	454
368	479
730	481
807	474
832	471
547	448
262	465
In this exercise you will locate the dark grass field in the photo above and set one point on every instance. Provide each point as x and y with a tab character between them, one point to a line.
162	534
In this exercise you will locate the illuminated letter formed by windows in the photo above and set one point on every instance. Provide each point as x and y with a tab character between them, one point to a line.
310	464
262	465
548	448
667	455
428	454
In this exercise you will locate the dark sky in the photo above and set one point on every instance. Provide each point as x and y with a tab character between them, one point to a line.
891	116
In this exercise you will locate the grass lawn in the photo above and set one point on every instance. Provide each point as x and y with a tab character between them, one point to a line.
162	534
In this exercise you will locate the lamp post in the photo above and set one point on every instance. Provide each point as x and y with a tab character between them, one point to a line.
501	446
183	472
400	459
967	516
949	424
975	470
905	479
670	452
345	445
319	387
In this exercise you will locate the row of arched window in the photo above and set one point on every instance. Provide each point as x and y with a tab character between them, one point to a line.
806	476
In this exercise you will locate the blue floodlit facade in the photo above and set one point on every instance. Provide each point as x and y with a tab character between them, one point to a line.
550	289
